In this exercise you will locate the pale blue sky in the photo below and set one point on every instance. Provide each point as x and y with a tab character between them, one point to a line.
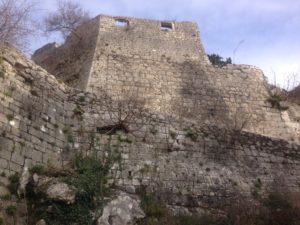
268	30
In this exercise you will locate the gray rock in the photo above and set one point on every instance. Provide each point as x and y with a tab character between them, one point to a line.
25	177
54	189
124	210
61	192
41	222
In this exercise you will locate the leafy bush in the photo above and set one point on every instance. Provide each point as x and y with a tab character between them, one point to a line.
217	60
197	220
11	210
14	184
192	134
10	117
152	206
275	101
89	176
38	169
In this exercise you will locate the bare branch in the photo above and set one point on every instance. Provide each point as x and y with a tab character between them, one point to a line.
16	25
68	16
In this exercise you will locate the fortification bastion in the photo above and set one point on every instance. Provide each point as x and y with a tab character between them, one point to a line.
164	63
201	135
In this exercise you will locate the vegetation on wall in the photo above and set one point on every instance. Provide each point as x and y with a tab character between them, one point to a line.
277	207
89	175
217	60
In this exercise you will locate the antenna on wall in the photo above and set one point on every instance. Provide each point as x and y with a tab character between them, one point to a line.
236	48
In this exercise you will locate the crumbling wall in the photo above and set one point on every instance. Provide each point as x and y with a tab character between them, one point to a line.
164	61
32	113
194	165
71	62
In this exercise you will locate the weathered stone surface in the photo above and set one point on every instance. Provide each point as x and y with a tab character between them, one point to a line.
61	192
24	180
41	222
3	191
207	133
54	189
124	210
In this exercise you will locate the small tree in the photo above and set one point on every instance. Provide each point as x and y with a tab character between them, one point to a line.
217	60
68	16
15	23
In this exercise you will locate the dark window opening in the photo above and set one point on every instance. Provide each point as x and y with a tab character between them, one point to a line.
112	129
121	23
167	26
129	173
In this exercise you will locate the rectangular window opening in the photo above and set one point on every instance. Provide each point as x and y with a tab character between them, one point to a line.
167	26
121	23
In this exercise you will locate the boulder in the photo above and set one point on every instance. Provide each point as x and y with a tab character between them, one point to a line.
123	210
61	192
25	177
41	222
54	189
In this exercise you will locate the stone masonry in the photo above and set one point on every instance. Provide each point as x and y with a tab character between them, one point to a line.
164	62
202	135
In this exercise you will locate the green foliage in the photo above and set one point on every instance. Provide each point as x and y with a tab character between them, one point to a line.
78	112
197	220
6	197
192	134
11	210
14	184
38	169
89	177
81	99
1	221
217	60
152	206
275	101
277	208
9	117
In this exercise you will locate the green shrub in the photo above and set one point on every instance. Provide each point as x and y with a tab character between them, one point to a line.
9	117
197	220
191	134
152	206
5	197
89	176
38	169
78	111
11	210
1	221
275	101
81	99
14	184
217	60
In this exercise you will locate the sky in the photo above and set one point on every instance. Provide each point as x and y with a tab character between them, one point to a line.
263	33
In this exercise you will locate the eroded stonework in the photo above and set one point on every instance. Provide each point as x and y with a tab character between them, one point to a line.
200	135
169	69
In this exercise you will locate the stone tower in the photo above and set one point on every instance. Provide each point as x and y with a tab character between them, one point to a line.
164	63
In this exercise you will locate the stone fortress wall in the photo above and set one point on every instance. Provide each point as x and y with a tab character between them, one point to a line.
169	68
187	149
